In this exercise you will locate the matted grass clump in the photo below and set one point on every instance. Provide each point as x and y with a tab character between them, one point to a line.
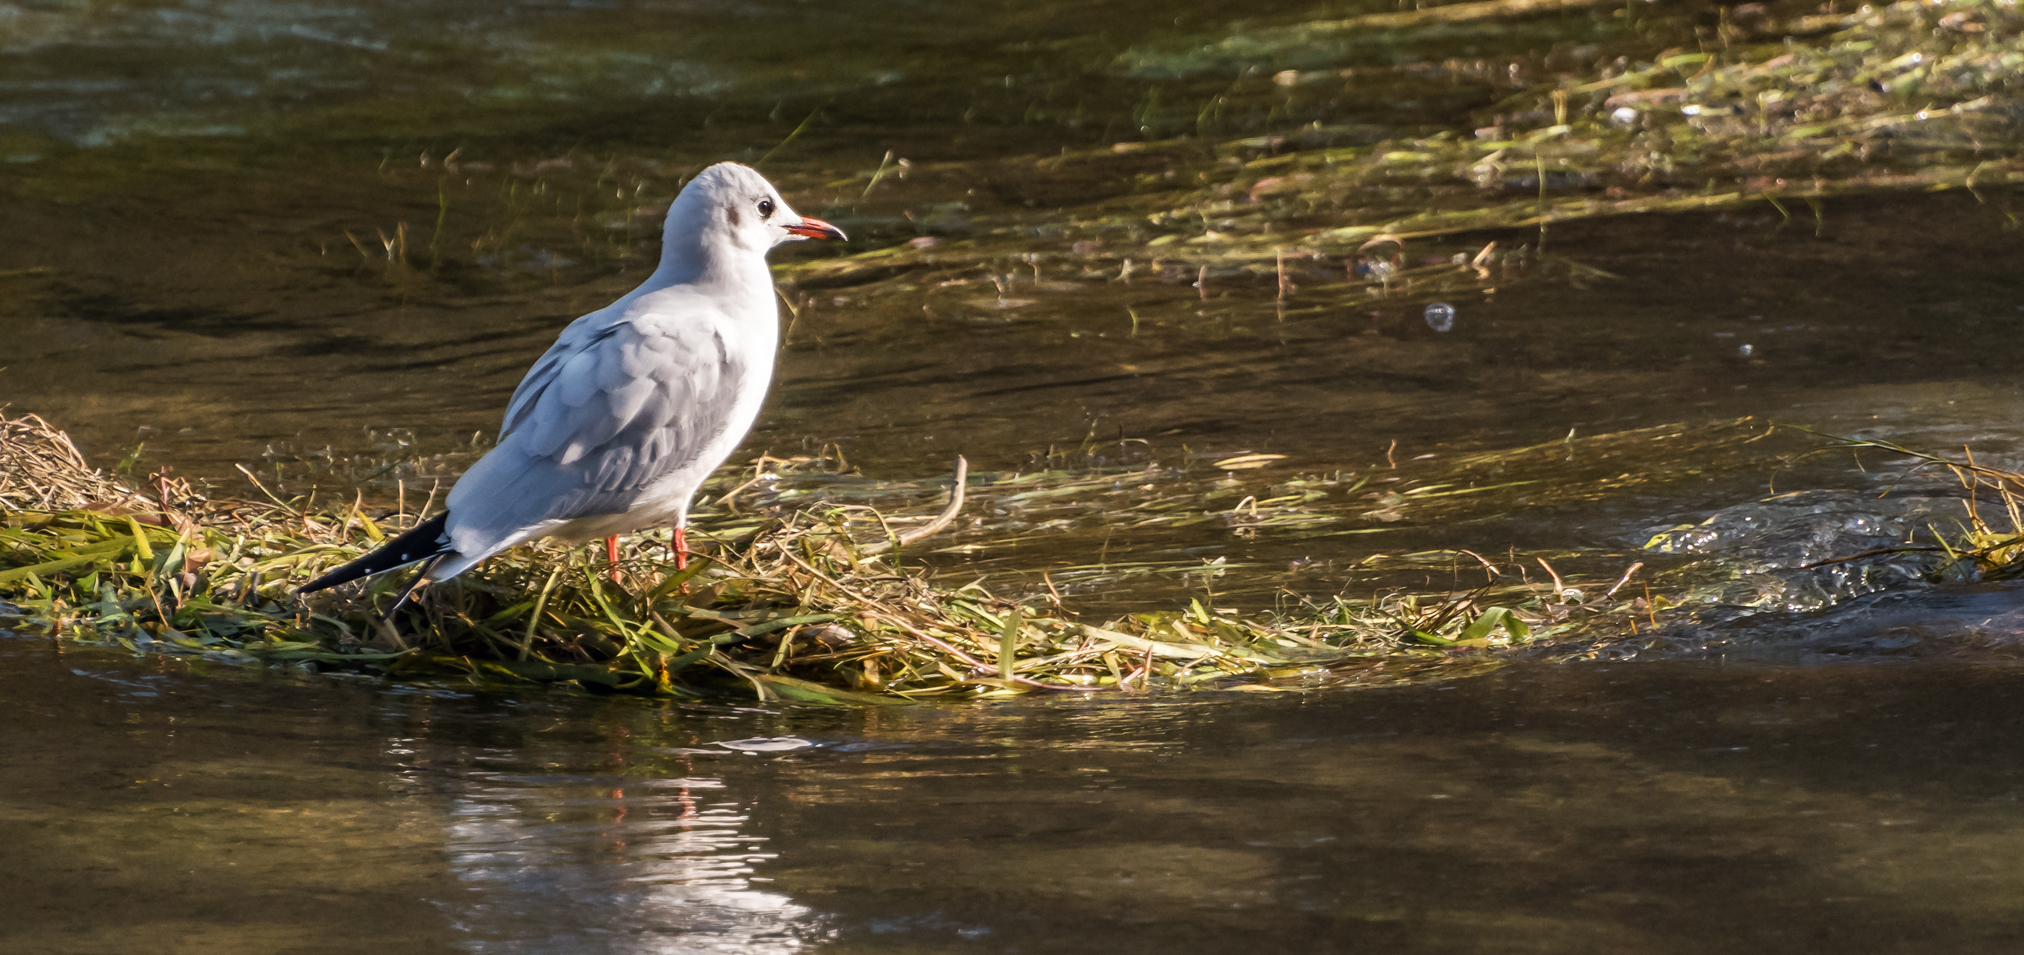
795	609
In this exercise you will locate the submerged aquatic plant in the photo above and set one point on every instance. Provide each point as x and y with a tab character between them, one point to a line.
1770	105
795	608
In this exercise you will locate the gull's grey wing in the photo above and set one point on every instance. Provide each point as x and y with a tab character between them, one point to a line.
617	404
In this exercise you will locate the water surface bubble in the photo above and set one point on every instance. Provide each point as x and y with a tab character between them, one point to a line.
1440	317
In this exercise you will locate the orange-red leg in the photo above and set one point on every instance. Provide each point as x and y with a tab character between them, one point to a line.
611	555
680	546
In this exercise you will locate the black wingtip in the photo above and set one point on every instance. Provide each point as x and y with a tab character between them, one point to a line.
422	542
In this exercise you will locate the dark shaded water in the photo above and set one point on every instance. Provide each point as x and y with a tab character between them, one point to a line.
325	241
1659	807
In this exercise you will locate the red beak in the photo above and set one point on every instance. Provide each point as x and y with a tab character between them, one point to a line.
812	228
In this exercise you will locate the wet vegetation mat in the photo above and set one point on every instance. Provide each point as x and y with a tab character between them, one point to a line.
824	586
807	602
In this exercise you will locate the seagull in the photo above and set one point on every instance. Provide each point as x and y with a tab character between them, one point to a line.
619	423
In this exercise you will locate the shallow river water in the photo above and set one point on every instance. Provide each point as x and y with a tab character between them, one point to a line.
325	240
1647	807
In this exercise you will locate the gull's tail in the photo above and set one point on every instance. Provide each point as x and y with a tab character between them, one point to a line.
426	541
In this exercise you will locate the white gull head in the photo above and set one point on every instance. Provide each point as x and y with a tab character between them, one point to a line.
729	211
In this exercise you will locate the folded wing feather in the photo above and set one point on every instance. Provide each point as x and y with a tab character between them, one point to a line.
619	402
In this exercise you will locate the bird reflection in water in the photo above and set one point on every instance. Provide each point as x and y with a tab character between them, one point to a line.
615	864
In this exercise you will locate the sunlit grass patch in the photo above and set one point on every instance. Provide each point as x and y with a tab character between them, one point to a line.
802	607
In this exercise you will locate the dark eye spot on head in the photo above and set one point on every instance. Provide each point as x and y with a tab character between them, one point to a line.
731	216
765	208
